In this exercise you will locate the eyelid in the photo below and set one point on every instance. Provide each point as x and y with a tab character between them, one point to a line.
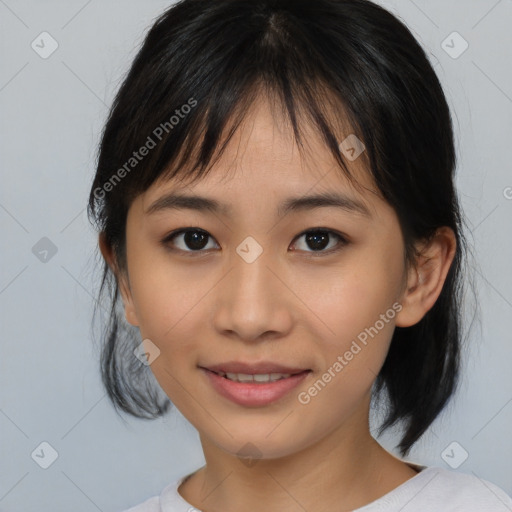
343	240
167	239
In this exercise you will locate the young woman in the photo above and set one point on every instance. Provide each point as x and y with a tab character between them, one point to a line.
276	210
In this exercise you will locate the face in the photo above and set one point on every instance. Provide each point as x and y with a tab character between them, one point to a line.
313	288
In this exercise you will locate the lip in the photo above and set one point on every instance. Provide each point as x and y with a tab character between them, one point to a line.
252	368
254	394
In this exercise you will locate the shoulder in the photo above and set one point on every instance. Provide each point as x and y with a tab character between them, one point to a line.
445	490
469	488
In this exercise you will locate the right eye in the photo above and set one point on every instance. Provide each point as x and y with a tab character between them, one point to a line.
191	240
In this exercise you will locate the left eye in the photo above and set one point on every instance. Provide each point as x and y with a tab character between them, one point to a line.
320	239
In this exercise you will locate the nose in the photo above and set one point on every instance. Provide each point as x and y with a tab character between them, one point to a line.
253	301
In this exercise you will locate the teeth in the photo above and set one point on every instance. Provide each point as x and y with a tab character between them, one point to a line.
260	377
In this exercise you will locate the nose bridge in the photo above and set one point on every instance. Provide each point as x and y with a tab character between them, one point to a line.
252	300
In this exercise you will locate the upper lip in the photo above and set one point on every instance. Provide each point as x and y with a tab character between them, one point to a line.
262	367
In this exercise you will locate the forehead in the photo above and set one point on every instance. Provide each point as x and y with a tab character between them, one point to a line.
263	157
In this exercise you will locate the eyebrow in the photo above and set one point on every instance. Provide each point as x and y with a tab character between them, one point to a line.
175	201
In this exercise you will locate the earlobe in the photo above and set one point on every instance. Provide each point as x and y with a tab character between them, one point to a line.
426	279
124	288
129	309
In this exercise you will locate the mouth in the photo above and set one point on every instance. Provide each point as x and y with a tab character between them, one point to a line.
256	378
254	387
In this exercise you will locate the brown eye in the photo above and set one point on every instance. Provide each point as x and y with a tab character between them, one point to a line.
320	239
188	240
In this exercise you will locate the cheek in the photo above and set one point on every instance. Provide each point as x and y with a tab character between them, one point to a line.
352	297
171	305
163	294
357	306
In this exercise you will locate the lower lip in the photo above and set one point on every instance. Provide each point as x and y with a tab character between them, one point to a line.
254	394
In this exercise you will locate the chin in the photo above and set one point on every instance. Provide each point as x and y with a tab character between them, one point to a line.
253	446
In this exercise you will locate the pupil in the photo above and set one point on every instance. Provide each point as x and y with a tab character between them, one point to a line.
195	239
317	240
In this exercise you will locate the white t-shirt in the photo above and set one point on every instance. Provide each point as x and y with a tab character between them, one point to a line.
433	489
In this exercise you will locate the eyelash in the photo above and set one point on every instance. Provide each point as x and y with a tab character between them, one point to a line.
342	241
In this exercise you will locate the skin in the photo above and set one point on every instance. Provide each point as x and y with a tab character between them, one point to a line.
288	307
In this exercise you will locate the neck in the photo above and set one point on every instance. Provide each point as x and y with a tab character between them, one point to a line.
344	470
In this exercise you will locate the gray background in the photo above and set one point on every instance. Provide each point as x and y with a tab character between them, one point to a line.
52	112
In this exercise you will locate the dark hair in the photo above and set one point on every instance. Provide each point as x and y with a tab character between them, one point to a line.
201	66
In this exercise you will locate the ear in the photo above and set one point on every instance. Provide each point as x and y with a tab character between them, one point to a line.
122	279
425	280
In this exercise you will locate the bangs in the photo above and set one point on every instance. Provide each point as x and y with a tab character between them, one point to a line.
305	110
